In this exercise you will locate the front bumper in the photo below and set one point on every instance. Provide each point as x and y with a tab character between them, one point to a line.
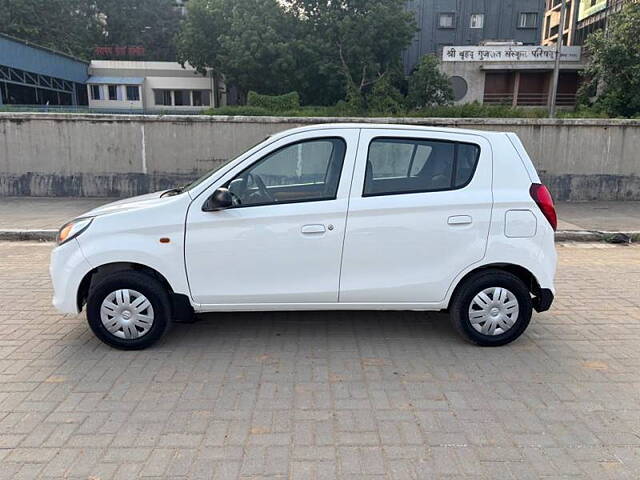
67	269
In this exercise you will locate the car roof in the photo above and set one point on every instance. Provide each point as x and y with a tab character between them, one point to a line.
388	126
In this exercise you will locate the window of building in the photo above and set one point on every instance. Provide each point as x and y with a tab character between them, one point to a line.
499	87
182	97
113	92
162	97
95	92
446	20
477	20
133	93
201	98
459	86
528	20
300	172
547	27
398	165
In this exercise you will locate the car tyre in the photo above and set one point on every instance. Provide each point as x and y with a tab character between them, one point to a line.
128	310
491	308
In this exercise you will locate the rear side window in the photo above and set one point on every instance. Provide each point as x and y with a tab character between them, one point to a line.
401	165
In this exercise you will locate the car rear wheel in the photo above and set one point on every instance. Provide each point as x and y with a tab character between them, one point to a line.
491	308
128	310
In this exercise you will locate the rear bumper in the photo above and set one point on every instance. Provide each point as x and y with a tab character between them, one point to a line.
542	302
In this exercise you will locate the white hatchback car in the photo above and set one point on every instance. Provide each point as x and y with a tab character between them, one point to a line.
328	217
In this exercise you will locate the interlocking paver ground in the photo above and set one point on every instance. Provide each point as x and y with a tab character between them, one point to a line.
349	395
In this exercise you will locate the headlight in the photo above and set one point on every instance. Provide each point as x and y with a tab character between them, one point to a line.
73	229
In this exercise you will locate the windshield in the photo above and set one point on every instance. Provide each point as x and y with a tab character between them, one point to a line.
197	182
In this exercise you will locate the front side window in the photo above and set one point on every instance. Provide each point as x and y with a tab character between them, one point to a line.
477	20
300	172
446	20
396	166
133	93
528	20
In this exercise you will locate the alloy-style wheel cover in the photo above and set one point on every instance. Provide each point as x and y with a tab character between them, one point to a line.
493	311
126	314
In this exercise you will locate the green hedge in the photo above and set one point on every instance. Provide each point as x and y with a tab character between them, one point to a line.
240	110
478	110
469	110
275	103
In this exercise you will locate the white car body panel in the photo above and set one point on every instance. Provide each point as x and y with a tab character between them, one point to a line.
130	233
67	268
391	252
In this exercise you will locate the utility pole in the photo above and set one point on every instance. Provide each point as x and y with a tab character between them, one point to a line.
556	67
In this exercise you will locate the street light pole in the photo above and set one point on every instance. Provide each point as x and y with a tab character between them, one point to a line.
556	67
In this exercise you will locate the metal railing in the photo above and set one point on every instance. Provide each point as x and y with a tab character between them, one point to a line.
566	99
86	109
529	99
498	98
533	99
45	108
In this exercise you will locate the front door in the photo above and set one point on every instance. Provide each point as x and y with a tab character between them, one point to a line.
419	214
282	243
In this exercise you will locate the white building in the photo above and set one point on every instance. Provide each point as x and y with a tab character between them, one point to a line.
154	87
516	75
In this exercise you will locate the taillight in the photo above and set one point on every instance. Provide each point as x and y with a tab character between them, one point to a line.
543	199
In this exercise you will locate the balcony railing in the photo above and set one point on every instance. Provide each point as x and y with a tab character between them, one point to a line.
498	98
533	99
530	99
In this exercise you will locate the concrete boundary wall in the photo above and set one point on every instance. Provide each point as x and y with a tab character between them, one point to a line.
121	155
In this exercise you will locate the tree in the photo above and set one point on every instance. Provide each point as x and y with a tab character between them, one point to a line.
614	64
69	26
361	39
76	27
385	98
249	42
323	49
152	24
428	86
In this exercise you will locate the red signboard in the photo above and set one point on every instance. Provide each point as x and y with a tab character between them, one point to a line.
119	51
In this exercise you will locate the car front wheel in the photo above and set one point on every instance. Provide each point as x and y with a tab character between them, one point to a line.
491	308
128	310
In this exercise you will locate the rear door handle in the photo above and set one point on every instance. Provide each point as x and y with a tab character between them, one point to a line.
311	229
460	220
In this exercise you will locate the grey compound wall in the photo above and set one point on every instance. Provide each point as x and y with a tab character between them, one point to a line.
123	155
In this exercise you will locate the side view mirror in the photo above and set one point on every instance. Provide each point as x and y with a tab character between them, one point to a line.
220	200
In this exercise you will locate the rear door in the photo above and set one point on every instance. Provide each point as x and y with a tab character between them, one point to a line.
419	214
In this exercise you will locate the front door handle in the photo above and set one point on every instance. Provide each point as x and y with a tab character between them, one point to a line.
311	229
460	220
